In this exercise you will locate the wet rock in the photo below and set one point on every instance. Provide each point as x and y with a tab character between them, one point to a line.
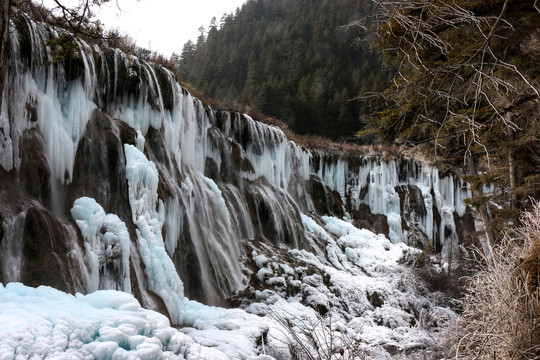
318	194
34	171
187	264
365	219
411	198
1	229
325	200
47	253
99	170
238	159
211	169
2	280
127	133
31	112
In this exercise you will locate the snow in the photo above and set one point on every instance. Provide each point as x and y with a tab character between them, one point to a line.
365	269
387	311
46	323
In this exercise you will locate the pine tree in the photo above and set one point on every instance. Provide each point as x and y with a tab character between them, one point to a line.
265	52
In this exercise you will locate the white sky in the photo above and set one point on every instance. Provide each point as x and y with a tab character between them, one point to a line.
161	25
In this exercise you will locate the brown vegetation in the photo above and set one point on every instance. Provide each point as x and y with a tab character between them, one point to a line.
501	309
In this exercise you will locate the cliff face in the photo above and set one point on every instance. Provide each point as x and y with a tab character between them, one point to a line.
113	177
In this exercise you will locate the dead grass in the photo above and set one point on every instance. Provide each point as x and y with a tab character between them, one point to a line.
501	309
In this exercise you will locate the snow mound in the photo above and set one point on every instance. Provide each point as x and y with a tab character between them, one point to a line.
46	323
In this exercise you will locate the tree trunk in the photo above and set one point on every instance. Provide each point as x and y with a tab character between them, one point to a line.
512	167
489	241
4	40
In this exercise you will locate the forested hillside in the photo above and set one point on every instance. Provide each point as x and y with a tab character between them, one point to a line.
294	60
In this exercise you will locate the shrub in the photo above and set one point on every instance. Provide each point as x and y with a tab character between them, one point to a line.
318	339
501	308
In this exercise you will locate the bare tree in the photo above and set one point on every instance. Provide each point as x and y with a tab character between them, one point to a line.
452	84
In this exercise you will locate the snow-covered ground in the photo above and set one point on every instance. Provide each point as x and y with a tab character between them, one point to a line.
358	297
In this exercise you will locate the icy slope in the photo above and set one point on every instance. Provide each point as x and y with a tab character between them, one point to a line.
359	294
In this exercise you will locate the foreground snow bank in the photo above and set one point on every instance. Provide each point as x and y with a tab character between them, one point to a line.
46	323
358	296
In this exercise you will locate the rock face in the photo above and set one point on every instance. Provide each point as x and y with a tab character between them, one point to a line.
226	184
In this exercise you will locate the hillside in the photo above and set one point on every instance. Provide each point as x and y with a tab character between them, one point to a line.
137	221
120	188
294	60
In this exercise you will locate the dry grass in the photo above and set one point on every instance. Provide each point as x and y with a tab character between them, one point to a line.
318	339
501	317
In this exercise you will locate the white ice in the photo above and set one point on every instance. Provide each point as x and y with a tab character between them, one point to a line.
162	276
46	323
105	235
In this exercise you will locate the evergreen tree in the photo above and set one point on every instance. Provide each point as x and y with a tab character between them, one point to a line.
267	53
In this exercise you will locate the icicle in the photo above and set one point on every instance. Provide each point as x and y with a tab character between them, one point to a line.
162	276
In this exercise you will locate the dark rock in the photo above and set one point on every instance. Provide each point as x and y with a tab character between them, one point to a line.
392	349
188	266
365	219
162	159
335	203
375	299
99	170
321	309
1	228
127	133
318	194
165	86
325	200
154	145
211	169
464	225
32	112
47	253
415	199
2	280
238	160
34	171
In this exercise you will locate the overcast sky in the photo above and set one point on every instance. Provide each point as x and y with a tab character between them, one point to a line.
161	25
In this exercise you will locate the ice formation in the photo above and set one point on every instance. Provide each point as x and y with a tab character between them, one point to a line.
388	312
162	276
200	204
105	237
